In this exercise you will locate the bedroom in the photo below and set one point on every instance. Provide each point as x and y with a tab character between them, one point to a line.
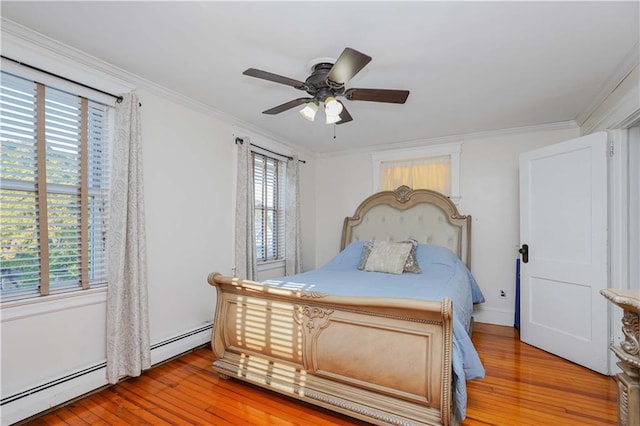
181	257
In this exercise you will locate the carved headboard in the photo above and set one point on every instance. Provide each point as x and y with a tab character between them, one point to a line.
424	215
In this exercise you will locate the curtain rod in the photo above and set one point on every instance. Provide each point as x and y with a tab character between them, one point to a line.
241	141
118	98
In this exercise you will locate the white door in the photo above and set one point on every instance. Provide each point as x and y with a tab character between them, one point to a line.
563	221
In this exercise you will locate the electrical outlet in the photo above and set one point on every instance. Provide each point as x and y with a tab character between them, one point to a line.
503	294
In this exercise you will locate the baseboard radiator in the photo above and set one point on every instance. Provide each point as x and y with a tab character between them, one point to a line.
37	399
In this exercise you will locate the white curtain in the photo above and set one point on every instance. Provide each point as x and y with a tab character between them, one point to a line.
422	173
245	250
128	348
293	258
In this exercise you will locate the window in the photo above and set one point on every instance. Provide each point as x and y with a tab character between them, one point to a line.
433	167
421	173
53	190
268	178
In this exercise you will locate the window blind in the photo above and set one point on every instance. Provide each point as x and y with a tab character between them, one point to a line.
53	189
268	174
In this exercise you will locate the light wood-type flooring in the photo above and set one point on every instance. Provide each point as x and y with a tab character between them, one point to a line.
523	386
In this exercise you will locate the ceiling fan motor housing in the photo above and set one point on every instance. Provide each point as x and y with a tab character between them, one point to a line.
319	86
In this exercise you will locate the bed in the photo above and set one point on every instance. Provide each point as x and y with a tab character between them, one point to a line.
350	340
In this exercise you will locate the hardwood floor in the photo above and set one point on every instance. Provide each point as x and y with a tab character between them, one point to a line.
527	386
523	386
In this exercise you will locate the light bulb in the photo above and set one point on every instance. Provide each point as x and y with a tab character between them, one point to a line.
309	111
332	107
332	119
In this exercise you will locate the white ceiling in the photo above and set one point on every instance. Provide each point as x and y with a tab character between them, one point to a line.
470	66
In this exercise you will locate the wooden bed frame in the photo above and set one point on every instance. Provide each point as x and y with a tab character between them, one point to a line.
382	360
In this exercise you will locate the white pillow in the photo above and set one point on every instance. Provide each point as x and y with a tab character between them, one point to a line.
388	257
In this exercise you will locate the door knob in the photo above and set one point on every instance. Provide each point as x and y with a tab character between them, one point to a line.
524	251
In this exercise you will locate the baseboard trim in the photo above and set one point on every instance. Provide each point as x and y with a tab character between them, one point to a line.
45	396
494	316
182	343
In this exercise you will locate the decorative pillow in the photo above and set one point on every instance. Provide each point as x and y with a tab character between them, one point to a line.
366	251
411	265
388	257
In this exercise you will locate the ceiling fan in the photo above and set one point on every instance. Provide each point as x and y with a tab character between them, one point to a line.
326	83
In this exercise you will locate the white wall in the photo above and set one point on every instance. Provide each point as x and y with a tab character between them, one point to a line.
188	188
342	182
37	347
308	201
187	172
489	193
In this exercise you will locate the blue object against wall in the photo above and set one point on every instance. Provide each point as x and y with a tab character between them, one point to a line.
516	320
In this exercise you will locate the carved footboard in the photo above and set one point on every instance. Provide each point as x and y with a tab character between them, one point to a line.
386	361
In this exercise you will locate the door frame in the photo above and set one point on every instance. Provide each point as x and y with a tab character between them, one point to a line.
615	110
619	255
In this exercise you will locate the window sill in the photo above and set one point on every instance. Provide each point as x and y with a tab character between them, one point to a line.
270	265
19	309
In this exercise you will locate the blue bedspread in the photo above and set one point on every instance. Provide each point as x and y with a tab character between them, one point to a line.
443	275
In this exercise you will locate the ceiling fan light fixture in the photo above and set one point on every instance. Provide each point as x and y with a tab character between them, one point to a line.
331	119
309	111
332	107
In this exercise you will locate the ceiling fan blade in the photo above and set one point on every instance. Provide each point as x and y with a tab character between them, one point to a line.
377	95
287	105
345	117
348	64
252	72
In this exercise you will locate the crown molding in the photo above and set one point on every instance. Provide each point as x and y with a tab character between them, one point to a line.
43	45
620	109
560	125
272	142
23	44
45	52
630	61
